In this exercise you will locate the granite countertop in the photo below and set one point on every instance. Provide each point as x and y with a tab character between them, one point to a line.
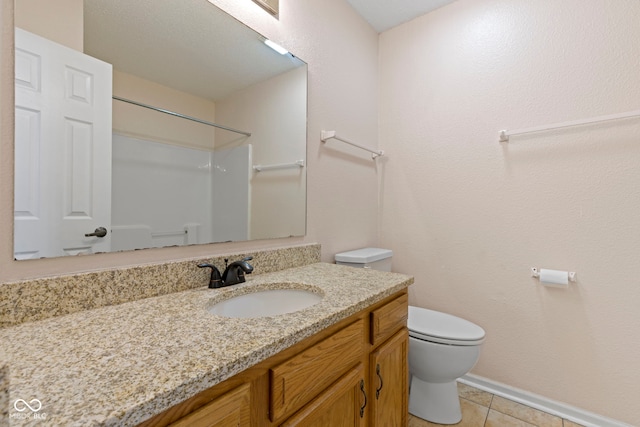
122	364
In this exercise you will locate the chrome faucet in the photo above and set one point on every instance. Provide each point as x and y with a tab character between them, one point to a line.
233	273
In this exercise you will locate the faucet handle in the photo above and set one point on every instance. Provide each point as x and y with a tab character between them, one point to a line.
216	279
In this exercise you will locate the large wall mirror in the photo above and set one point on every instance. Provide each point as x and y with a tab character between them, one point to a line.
152	123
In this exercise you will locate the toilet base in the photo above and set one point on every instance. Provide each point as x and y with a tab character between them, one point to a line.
435	402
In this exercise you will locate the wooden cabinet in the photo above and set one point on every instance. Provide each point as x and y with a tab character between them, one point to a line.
389	364
296	381
354	373
228	410
388	376
343	404
389	318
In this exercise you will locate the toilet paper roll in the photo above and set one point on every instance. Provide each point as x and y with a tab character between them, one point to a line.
554	277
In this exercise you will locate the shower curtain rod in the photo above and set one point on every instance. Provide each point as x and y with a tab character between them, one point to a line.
182	116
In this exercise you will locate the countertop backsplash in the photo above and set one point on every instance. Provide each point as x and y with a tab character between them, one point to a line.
36	299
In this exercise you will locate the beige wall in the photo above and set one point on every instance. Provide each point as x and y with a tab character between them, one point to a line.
145	123
342	96
67	28
275	112
469	217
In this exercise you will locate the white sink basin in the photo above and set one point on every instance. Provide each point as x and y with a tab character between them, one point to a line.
264	303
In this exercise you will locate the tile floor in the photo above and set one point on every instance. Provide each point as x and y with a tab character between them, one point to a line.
483	409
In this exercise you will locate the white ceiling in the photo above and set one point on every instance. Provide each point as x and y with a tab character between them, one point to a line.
385	14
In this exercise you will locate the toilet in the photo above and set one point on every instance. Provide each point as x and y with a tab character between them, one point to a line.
442	348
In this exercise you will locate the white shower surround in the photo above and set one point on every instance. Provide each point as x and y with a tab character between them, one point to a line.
161	190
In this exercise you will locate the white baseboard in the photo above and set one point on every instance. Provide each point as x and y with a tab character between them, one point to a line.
550	406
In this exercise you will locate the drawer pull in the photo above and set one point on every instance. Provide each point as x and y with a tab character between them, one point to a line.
364	393
380	378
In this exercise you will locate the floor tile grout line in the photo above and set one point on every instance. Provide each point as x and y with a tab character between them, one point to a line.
490	408
486	417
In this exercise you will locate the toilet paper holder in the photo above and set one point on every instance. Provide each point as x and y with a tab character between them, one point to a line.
535	272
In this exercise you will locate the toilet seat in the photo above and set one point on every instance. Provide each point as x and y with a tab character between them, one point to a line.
442	328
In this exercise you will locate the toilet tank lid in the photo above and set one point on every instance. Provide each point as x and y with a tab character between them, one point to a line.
442	325
364	255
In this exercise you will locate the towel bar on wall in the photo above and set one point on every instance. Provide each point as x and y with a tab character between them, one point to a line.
505	134
296	164
168	233
331	134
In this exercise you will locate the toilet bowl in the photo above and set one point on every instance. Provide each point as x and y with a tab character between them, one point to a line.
442	348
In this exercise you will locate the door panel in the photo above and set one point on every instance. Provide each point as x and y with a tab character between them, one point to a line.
27	204
63	149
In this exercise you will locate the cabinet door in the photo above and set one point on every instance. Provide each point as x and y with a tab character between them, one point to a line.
343	404
301	378
389	378
229	410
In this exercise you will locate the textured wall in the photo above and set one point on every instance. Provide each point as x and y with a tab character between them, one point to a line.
36	16
469	216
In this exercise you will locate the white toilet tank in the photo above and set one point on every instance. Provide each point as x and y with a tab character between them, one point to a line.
374	258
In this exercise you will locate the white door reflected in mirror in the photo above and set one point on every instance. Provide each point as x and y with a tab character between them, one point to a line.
63	150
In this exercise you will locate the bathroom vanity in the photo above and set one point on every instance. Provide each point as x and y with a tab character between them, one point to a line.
352	373
168	361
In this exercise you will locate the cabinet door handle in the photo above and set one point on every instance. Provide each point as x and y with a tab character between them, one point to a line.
364	393
379	378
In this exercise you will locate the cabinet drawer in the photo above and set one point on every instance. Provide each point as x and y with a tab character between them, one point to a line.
389	318
296	381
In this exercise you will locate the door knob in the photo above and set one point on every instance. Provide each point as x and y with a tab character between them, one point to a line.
99	232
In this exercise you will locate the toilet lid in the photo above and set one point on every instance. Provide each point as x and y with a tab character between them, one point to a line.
426	324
